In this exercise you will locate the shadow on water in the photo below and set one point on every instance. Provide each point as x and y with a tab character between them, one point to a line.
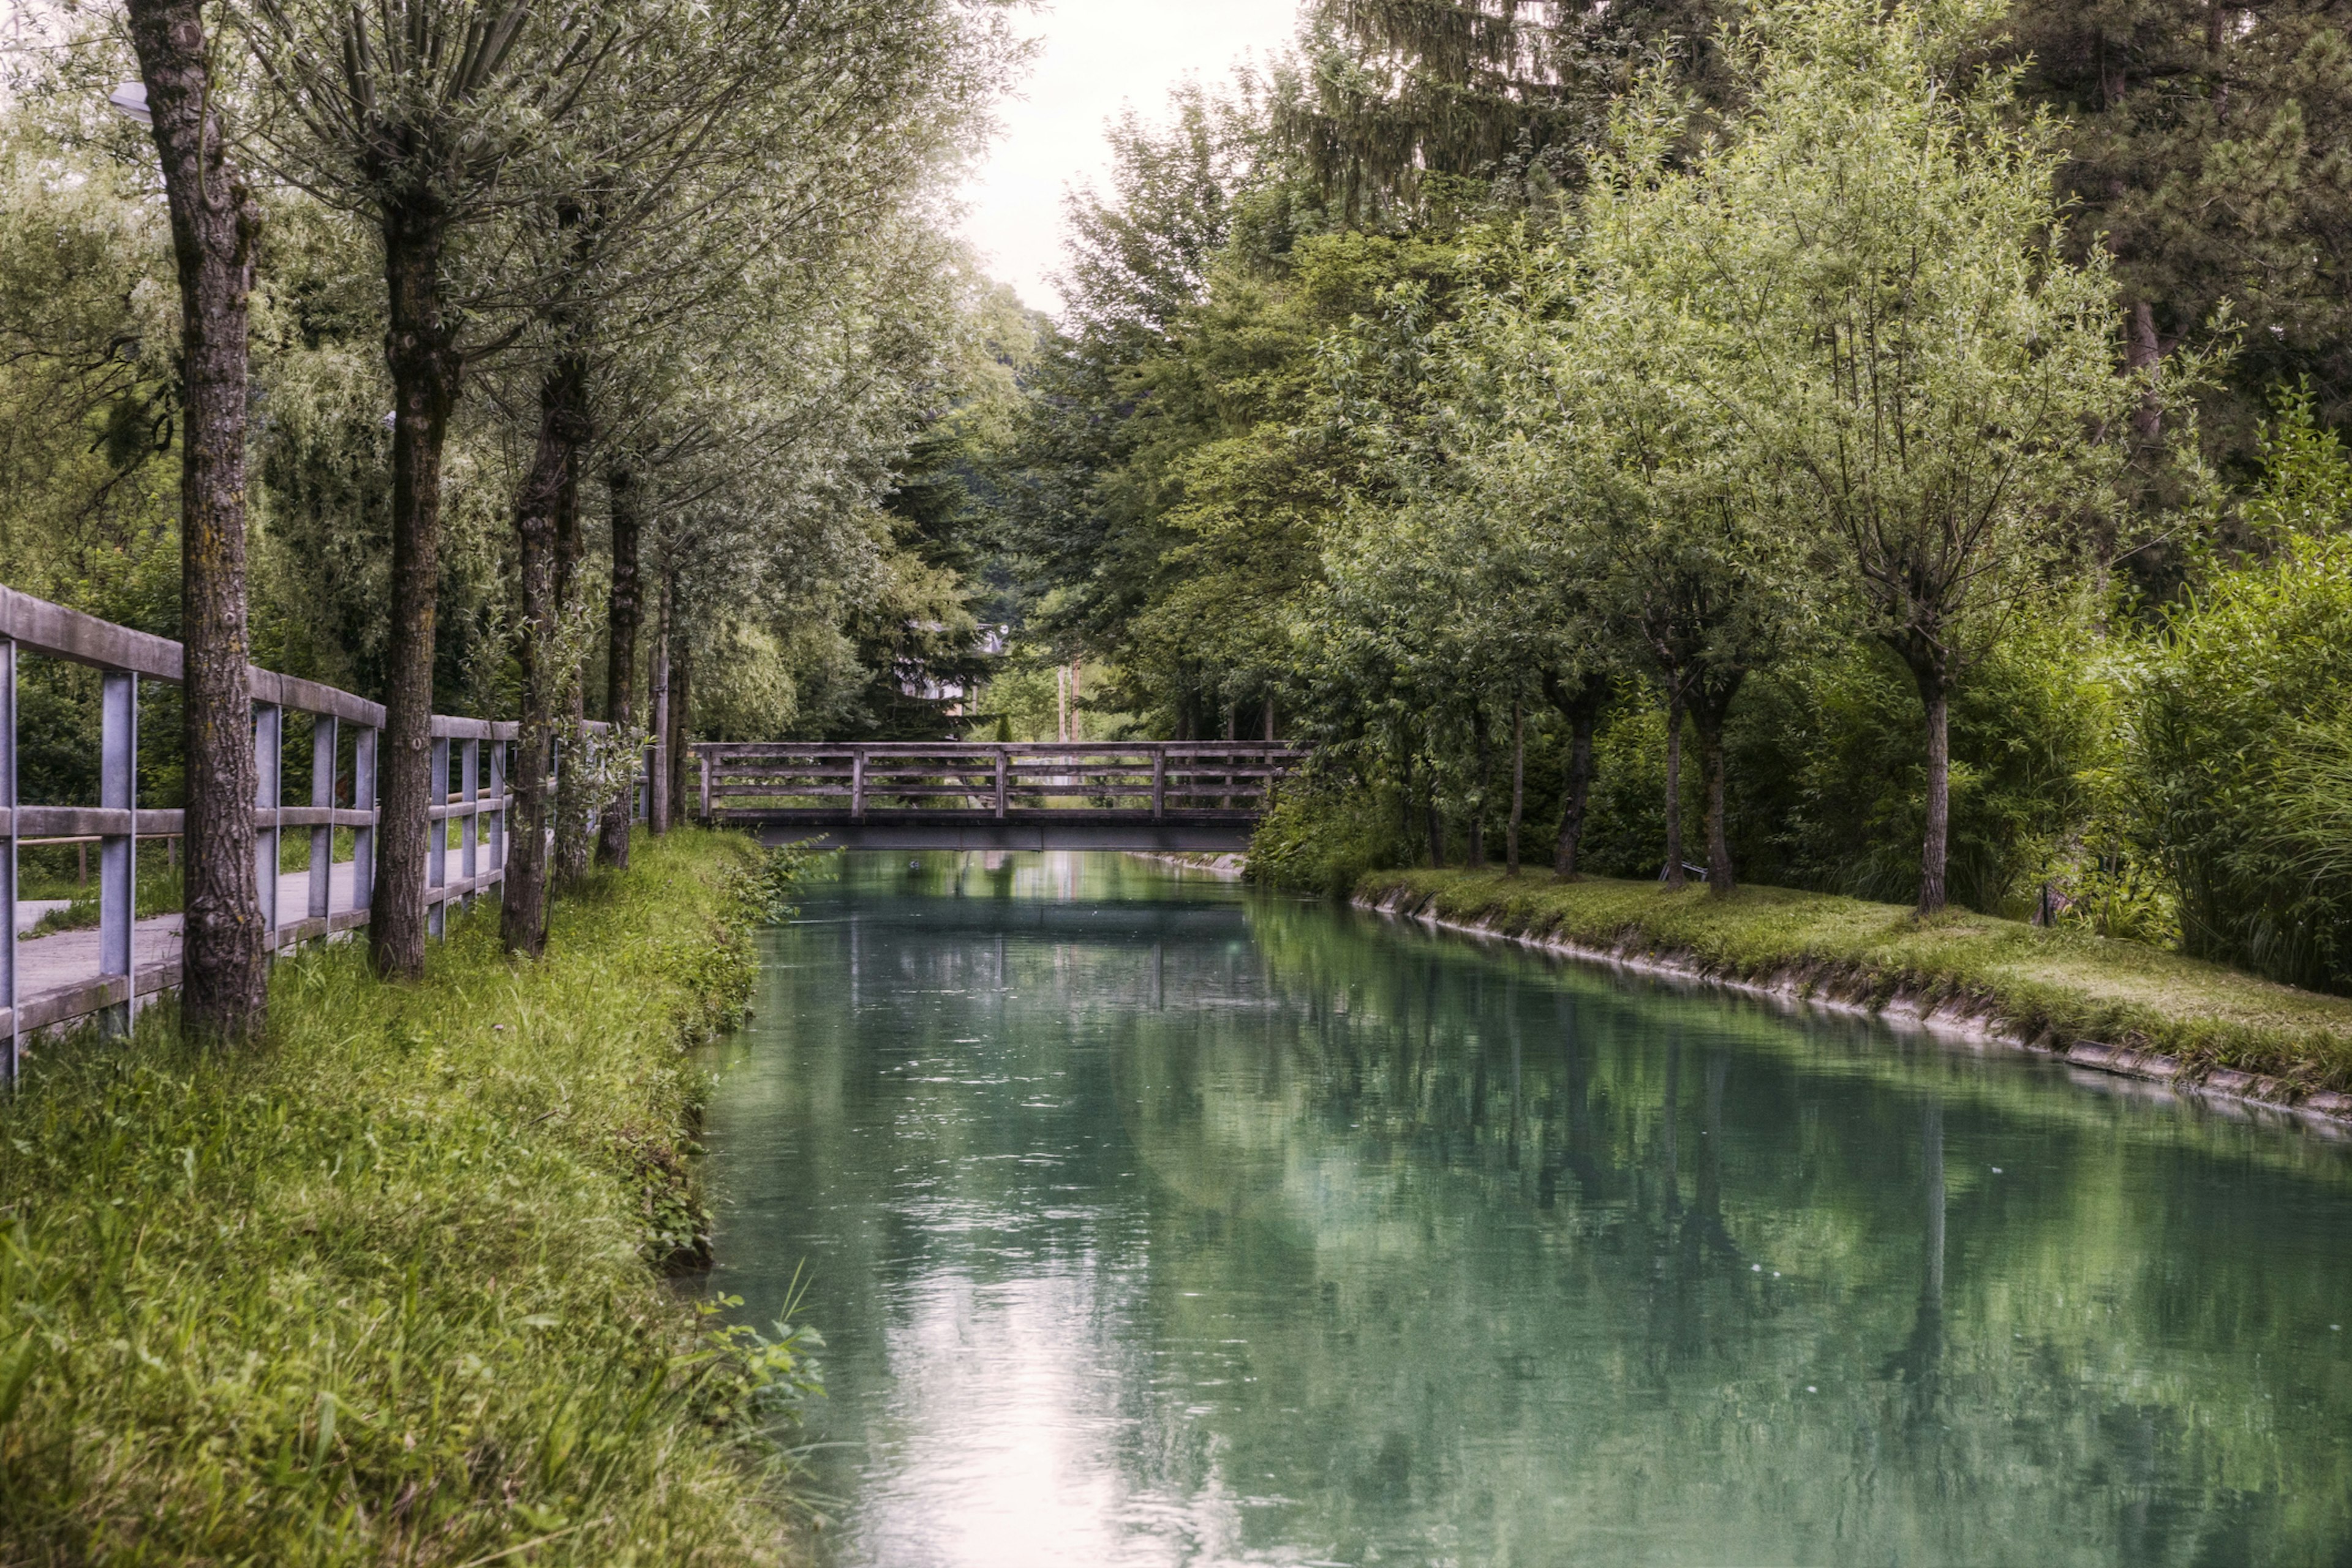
1153	1222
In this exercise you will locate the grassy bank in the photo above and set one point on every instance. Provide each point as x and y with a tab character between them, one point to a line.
387	1289
2053	987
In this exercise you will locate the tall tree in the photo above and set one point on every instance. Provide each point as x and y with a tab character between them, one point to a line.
1867	261
414	115
216	228
2204	156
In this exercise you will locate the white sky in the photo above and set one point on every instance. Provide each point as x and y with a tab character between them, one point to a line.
1099	54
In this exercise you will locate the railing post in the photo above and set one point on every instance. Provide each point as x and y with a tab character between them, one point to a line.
470	782
703	758
267	748
436	838
322	837
497	851
117	854
1003	779
1159	783
14	1055
857	784
363	836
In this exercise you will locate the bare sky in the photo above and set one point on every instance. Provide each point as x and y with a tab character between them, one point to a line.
1099	54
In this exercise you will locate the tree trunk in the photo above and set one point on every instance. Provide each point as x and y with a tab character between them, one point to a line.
1485	767
1518	787
1436	828
538	507
621	615
1936	693
1583	719
420	349
1708	719
575	811
2143	354
225	977
681	721
1674	877
660	810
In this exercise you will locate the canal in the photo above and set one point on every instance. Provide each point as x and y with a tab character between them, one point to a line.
1150	1221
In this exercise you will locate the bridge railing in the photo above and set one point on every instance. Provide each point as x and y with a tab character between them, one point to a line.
1169	780
74	975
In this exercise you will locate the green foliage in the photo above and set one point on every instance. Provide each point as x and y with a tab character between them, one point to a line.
381	1290
2236	744
762	892
1321	840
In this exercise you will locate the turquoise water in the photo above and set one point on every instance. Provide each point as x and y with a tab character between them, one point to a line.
1151	1222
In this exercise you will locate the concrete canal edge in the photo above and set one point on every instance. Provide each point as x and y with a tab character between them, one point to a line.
1825	988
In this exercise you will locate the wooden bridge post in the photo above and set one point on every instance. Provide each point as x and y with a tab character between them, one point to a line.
857	784
1003	776
1159	783
322	835
117	854
704	758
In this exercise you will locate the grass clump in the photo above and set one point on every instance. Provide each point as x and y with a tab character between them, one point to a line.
386	1290
2060	984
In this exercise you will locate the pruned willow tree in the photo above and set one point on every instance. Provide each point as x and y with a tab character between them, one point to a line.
758	138
215	224
1870	264
520	165
1818	361
417	116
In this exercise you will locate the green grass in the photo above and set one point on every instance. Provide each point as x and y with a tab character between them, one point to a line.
2063	985
387	1288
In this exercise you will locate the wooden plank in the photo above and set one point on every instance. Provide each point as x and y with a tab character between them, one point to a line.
72	822
445	728
311	697
38	627
300	817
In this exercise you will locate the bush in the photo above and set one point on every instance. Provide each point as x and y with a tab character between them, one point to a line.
2238	737
1320	836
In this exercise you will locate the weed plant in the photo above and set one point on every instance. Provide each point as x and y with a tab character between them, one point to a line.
385	1290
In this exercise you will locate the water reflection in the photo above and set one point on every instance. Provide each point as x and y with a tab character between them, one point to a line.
1152	1224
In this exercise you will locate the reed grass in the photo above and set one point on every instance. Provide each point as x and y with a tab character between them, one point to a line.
386	1290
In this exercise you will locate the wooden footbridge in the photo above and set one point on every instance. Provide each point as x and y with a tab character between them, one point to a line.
1075	794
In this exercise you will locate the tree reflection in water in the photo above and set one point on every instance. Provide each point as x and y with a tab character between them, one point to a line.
1153	1222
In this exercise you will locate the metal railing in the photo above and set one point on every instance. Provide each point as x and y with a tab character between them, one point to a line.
57	980
1171	780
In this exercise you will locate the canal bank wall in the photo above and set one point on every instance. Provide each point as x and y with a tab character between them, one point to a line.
2216	1053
